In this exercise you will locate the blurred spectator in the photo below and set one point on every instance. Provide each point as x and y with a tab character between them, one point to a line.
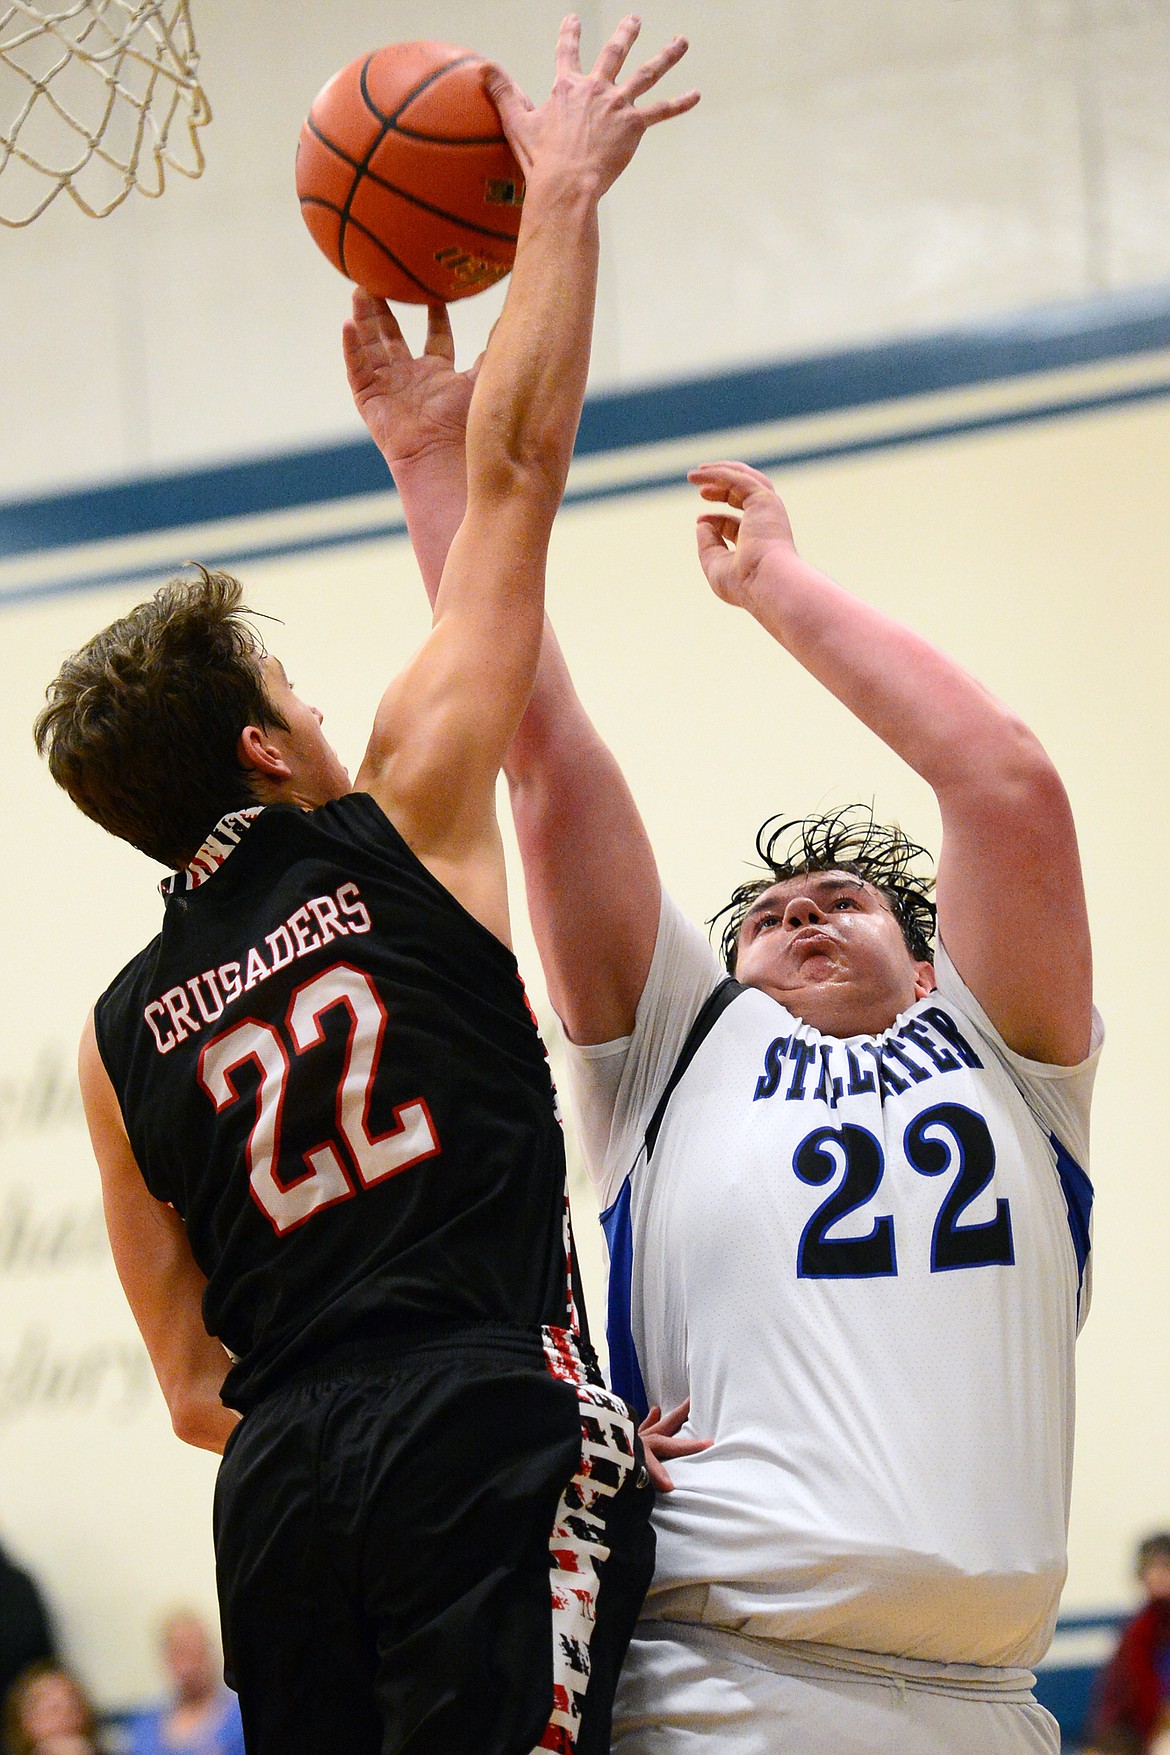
1130	1713
47	1712
202	1716
25	1635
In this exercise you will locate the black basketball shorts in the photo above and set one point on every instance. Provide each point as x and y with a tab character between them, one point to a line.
438	1552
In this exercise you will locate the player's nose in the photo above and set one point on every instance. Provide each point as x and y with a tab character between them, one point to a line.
802	911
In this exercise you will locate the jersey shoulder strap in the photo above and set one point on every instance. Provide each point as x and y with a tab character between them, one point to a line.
710	1012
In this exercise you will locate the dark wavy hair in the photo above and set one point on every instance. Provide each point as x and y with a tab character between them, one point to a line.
843	840
140	726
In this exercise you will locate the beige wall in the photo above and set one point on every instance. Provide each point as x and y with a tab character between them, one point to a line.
1038	555
857	168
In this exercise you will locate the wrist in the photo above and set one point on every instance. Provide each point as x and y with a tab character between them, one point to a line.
563	185
444	458
770	576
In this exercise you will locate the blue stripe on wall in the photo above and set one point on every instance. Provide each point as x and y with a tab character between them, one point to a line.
242	552
1048	339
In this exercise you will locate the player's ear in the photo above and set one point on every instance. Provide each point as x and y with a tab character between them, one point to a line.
256	750
924	980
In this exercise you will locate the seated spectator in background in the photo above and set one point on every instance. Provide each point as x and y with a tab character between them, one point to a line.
47	1712
203	1716
1130	1714
25	1635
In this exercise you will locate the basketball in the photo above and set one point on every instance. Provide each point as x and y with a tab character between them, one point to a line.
405	177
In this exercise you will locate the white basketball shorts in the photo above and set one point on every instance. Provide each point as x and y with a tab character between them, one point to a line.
688	1690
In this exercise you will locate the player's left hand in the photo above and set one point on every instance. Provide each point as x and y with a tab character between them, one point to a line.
659	1435
411	405
733	544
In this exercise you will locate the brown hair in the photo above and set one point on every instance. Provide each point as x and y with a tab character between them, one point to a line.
140	726
1155	1547
17	1740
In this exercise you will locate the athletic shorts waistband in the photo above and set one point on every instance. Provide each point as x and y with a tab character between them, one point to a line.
807	1658
369	1355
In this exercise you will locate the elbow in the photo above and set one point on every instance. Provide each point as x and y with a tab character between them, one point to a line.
200	1419
1008	768
187	1416
1024	768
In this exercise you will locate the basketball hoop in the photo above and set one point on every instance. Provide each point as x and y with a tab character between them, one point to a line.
97	98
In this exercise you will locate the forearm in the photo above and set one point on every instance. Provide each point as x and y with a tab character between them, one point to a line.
528	398
589	869
555	730
1007	824
198	1416
190	1364
433	491
928	709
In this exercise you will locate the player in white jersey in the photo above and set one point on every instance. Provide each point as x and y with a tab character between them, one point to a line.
848	1211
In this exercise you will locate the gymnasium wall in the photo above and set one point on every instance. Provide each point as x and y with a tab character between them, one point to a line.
856	170
1018	522
846	244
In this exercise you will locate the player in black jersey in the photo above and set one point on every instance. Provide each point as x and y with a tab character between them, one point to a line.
322	1112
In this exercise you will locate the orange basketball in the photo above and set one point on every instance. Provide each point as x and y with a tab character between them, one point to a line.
405	177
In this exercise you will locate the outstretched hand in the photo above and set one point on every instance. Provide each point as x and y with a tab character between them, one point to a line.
733	544
410	404
659	1435
589	124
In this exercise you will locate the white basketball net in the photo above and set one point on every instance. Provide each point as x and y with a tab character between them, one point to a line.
96	98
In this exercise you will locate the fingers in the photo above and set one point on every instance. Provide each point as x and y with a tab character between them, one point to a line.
667	1447
667	1424
658	1433
658	1474
369	339
373	320
440	340
729	482
715	533
613	56
649	74
651	71
668	107
569	45
511	103
496	79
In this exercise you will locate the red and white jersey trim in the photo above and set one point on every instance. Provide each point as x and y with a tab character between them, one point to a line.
222	841
578	1545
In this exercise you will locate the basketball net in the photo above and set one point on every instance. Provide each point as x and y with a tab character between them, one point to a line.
97	98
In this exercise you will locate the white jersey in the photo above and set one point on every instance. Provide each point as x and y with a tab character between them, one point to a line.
866	1261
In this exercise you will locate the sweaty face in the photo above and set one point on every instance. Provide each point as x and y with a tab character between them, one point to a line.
827	946
317	775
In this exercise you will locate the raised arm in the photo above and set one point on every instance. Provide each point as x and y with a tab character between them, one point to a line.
593	892
443	726
1011	906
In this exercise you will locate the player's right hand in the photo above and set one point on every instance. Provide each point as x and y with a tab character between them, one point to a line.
733	544
660	1440
411	405
589	123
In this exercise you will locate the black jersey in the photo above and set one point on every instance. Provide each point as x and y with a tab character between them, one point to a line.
331	1071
